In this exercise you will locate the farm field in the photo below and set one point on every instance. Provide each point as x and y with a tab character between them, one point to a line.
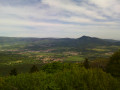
22	53
74	59
23	60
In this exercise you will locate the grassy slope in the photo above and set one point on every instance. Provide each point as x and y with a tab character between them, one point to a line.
74	58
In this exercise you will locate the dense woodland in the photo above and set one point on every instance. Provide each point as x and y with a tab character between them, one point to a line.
37	44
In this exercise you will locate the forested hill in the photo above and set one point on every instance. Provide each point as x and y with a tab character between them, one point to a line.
35	43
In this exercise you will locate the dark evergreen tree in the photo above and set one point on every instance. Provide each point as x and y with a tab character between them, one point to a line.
13	72
86	63
34	69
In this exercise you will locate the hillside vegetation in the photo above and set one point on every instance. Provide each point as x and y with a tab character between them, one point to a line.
86	63
66	76
47	43
70	77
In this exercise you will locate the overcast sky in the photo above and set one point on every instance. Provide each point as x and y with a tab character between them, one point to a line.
60	18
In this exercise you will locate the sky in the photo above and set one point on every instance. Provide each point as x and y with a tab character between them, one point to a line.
60	18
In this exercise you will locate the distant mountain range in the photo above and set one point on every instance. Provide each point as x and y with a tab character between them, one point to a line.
42	43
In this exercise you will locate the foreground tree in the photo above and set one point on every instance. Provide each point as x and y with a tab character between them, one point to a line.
13	72
86	64
34	69
113	66
52	67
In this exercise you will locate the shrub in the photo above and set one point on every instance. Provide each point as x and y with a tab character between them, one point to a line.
34	69
13	72
75	78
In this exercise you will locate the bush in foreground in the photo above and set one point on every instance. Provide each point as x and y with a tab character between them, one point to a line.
113	66
75	78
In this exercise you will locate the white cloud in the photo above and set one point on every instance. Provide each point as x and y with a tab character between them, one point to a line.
68	5
108	7
60	17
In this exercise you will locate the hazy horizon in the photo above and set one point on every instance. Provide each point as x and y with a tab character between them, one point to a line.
60	18
59	37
